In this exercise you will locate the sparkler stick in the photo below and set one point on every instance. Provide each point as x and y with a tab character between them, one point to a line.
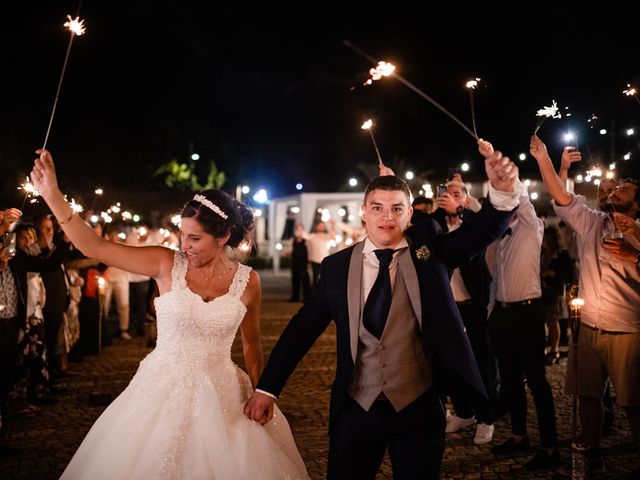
385	69
76	27
368	127
471	85
545	113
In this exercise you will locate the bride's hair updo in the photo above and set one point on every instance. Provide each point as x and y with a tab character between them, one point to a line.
220	214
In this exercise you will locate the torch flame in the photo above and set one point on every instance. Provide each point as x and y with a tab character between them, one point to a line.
577	302
367	125
75	25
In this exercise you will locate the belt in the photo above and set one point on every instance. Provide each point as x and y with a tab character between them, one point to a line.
596	329
531	301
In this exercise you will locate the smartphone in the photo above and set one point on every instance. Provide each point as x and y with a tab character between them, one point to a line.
441	189
9	243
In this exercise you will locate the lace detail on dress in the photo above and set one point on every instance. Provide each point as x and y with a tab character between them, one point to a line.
240	281
179	271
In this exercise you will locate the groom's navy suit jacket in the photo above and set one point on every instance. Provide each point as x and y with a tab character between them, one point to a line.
441	328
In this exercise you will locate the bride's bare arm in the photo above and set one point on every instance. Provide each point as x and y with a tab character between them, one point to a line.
155	262
250	330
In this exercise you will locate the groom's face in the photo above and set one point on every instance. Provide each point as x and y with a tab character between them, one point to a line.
387	214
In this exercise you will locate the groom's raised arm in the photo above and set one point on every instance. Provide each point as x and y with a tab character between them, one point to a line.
461	245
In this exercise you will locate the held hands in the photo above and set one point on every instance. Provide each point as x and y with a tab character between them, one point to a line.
501	172
569	156
43	174
259	408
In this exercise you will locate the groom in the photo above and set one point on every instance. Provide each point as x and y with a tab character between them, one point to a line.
396	324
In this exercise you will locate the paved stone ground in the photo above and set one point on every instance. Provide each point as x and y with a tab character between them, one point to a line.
49	437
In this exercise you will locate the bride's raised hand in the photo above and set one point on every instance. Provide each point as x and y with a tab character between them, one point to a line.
43	174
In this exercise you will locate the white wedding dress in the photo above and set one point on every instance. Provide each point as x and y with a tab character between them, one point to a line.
181	417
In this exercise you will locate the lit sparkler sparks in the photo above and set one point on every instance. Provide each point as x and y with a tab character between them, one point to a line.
546	112
76	207
30	191
631	92
472	85
368	127
75	25
385	69
76	28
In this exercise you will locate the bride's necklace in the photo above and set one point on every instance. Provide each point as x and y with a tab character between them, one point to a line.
214	277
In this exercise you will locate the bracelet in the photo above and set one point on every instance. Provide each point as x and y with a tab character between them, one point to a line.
62	222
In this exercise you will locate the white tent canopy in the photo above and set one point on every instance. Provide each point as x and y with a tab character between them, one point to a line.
309	203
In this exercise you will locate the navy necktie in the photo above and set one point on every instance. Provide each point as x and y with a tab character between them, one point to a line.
506	233
376	308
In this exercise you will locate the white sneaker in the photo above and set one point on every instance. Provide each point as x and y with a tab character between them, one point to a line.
455	423
484	434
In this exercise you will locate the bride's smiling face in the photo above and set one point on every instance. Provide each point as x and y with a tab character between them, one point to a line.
201	247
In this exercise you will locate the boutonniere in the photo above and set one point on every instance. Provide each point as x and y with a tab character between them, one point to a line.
423	253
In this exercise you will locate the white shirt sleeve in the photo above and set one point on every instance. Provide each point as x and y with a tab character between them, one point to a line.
266	393
503	201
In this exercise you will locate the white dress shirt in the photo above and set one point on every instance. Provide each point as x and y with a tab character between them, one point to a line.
517	256
609	286
460	293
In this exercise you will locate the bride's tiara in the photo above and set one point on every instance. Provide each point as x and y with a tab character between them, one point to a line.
209	204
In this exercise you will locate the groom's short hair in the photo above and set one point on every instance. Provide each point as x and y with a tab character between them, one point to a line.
388	182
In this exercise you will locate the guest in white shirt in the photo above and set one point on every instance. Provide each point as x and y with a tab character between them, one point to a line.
518	331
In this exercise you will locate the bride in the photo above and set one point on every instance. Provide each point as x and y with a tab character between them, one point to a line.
182	414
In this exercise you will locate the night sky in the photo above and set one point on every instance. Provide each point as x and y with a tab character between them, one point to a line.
274	97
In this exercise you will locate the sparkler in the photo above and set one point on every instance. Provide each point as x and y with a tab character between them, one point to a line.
545	113
367	126
98	192
471	85
384	69
631	92
30	191
76	28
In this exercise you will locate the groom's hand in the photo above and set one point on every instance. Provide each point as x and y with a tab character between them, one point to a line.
259	408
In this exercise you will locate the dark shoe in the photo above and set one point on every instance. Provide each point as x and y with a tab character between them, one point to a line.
552	358
543	460
511	446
